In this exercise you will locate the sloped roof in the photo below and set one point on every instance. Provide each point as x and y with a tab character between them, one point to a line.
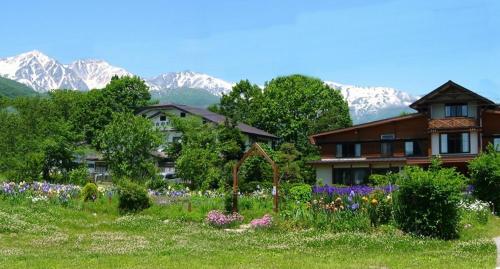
450	84
209	116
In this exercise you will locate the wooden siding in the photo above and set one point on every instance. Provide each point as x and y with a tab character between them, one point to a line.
491	126
369	137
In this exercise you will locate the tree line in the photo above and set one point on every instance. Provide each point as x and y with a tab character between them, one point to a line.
42	137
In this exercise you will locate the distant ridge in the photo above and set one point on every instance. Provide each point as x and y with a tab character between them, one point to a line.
44	73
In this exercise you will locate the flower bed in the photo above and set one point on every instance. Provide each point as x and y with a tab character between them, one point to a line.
264	222
218	219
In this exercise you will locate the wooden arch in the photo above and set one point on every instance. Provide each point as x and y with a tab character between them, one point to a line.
255	150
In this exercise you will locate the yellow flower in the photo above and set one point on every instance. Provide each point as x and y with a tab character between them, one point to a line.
365	199
374	201
389	198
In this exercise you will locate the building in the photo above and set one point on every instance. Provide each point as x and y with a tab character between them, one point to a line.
451	122
159	115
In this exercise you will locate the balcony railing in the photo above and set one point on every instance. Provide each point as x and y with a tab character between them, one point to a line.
453	123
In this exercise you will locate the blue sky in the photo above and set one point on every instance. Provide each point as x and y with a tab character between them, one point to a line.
411	45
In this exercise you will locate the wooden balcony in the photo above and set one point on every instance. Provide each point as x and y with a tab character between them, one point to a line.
453	123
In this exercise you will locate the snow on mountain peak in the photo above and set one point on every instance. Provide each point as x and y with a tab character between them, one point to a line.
370	100
96	73
189	79
43	73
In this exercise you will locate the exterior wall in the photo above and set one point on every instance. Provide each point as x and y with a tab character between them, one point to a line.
491	126
369	138
324	173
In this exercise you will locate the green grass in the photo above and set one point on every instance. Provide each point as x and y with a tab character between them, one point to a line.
94	235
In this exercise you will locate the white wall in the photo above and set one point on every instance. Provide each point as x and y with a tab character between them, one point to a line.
435	143
324	173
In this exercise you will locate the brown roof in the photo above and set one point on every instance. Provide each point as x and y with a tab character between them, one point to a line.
368	124
446	86
210	116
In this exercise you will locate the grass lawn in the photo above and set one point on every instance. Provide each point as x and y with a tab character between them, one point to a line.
43	235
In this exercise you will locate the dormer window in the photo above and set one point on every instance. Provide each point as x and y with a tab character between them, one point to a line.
456	110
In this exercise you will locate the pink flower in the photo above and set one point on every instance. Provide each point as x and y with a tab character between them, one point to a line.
264	222
218	219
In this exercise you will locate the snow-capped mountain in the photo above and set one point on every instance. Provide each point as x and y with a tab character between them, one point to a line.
188	79
40	72
43	73
368	103
96	73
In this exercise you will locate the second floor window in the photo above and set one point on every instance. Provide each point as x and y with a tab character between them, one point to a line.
456	110
454	143
496	143
346	150
163	118
412	148
387	145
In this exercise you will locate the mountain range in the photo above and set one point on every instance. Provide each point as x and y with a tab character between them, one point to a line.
43	73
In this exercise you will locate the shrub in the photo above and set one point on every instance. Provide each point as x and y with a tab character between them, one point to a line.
427	202
90	192
132	197
485	176
79	176
382	180
228	201
156	183
300	193
379	208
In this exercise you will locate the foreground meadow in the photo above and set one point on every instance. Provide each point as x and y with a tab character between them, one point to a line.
94	235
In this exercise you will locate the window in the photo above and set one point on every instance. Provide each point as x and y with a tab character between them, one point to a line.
409	148
386	149
350	176
387	145
454	143
456	110
163	118
348	150
387	137
176	139
412	148
183	114
496	143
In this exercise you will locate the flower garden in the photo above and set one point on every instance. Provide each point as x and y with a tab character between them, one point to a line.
44	225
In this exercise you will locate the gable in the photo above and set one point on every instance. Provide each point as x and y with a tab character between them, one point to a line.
450	92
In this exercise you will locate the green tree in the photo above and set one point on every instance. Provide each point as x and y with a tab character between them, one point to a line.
204	151
485	177
35	139
291	107
127	143
122	94
242	103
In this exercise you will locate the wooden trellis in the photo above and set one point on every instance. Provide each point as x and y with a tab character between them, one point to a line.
255	150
